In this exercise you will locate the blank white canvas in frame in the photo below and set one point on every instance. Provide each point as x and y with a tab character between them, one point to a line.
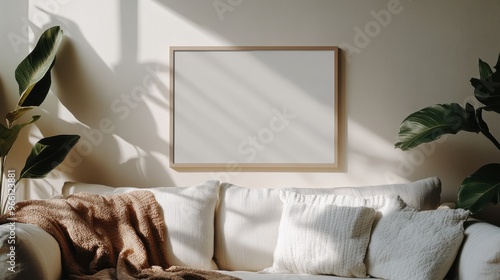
254	107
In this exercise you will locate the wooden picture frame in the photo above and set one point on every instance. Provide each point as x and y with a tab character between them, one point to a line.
254	108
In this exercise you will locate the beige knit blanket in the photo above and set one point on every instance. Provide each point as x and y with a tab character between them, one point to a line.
108	237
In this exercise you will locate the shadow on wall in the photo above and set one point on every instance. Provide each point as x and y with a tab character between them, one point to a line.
113	125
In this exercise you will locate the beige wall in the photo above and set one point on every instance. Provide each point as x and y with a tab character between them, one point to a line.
398	57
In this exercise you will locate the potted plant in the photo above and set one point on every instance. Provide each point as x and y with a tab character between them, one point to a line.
34	80
483	186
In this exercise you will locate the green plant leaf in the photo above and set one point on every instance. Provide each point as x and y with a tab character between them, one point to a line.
487	92
47	154
9	135
484	70
487	88
498	63
480	188
7	139
33	73
432	122
12	116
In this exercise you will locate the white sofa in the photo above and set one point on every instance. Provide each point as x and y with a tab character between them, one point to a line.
236	230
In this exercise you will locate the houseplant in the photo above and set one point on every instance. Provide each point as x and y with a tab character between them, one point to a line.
483	186
34	80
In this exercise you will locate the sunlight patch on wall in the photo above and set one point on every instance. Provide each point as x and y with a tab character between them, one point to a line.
64	114
178	28
371	158
106	42
126	150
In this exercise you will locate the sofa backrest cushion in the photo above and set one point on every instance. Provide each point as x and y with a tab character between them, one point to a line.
424	194
189	215
480	252
246	224
247	220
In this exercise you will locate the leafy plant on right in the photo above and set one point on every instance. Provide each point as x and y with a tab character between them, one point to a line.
429	124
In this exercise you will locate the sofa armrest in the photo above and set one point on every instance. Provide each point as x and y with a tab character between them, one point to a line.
479	257
28	252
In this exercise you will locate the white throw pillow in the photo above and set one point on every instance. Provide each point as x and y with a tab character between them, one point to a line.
409	244
189	217
318	237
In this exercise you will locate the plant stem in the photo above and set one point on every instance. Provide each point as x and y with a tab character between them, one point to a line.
4	207
492	139
3	160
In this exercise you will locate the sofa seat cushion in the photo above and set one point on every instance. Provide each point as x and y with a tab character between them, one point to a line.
189	215
247	220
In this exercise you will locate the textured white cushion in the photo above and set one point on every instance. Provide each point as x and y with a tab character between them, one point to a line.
247	220
480	254
409	244
317	237
189	218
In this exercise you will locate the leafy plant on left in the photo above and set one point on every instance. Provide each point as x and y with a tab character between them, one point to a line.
34	80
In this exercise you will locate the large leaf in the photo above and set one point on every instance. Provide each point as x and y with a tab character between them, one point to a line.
484	70
47	154
432	122
12	116
480	188
9	135
487	88
33	73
